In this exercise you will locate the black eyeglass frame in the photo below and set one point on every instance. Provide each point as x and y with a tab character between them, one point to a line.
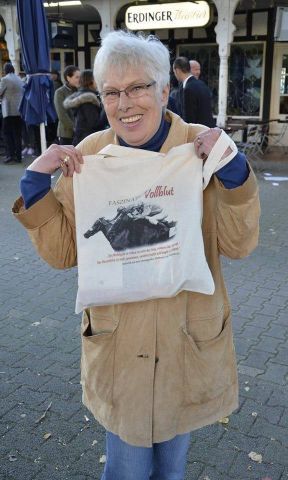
125	90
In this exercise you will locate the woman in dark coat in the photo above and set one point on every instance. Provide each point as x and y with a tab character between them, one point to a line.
86	108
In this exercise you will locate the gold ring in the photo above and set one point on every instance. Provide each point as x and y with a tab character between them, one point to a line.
65	161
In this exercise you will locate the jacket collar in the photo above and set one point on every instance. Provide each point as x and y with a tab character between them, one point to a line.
186	80
178	133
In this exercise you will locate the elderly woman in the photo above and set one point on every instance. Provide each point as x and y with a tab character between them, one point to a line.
162	368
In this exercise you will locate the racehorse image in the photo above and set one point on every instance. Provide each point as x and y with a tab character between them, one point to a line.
135	226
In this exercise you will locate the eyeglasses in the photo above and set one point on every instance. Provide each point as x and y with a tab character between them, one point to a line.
132	91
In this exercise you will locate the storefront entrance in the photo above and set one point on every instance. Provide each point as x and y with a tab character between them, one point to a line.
61	58
279	97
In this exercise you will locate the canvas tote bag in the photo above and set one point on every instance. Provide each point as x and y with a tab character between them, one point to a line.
138	223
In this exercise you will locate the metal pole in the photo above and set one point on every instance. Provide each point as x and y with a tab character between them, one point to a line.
43	137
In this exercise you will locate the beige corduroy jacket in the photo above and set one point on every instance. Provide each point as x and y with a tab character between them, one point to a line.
151	370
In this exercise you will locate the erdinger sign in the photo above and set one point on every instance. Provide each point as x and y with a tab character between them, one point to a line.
167	15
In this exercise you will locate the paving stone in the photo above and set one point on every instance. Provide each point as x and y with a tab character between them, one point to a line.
276	453
263	293
27	396
276	373
64	475
281	356
5	476
277	331
279	397
59	473
212	473
243	345
255	390
194	470
7	388
69	409
271	414
279	300
34	364
37	350
250	371
16	439
64	373
281	319
60	387
241	421
257	359
4	428
268	430
88	464
244	469
284	474
252	332
269	344
211	433
284	418
247	311
32	379
254	301
20	469
263	320
211	456
238	322
236	441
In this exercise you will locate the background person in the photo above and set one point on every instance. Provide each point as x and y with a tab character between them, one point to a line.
85	107
11	93
65	117
194	95
56	78
195	68
51	128
152	371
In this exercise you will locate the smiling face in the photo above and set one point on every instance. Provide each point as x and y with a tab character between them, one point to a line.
135	120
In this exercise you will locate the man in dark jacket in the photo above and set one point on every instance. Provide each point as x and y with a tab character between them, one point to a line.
194	95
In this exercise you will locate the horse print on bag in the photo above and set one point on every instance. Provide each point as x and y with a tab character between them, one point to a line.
135	226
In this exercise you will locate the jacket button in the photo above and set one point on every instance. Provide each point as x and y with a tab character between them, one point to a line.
156	360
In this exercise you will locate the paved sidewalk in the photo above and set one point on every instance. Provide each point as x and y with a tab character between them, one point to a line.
46	434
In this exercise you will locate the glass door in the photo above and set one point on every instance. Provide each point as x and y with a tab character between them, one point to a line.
61	58
283	107
279	97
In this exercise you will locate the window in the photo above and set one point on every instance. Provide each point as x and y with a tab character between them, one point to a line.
207	56
244	77
284	86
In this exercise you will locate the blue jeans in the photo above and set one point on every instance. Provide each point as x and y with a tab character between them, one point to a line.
163	461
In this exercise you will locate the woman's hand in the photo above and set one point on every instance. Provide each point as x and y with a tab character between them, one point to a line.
66	157
205	141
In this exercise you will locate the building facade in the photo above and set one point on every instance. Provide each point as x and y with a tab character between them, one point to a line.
242	49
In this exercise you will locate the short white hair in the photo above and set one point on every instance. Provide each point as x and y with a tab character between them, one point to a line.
123	50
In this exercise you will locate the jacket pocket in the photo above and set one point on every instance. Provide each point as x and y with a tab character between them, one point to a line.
97	361
209	366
